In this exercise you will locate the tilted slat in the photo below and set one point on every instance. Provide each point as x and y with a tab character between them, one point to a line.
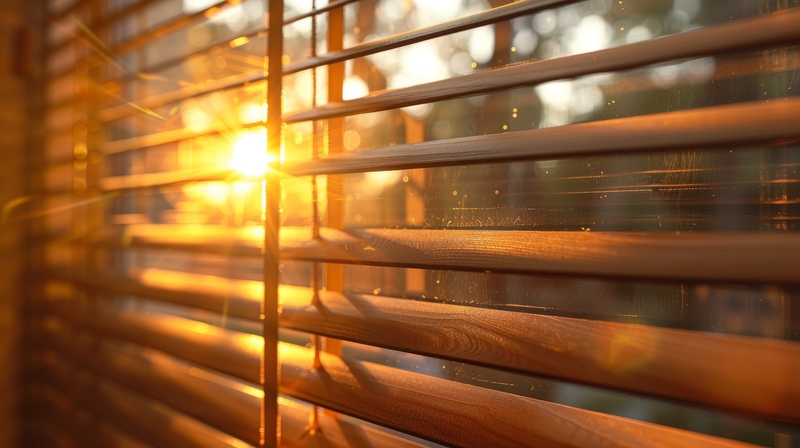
463	415
164	28
319	10
151	422
101	24
230	352
125	109
441	410
183	20
170	136
84	428
471	21
767	30
220	405
150	180
731	257
771	29
738	257
688	366
736	124
214	47
232	410
700	256
244	241
237	298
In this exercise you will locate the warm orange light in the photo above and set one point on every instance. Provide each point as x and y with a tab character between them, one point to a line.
239	41
215	193
250	152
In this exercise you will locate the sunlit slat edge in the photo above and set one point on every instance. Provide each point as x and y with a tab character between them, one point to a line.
736	124
712	257
778	28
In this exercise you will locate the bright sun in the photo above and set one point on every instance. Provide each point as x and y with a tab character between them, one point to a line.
250	152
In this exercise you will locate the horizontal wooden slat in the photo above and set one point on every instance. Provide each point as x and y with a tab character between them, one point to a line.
183	20
732	257
475	20
233	410
152	422
84	428
471	21
692	367
737	257
770	29
170	136
453	413
125	109
150	180
242	241
236	298
158	425
459	414
101	23
214	47
164	28
229	408
688	366
230	352
736	124
319	10
767	30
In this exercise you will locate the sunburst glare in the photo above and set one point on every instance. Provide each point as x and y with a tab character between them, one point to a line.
250	152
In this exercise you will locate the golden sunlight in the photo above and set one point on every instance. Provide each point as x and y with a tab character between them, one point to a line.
250	152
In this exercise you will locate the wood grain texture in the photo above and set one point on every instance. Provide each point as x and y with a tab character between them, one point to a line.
449	412
745	375
463	415
733	257
766	30
711	257
738	124
476	20
687	366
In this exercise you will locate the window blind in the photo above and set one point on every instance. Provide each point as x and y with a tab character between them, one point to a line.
405	223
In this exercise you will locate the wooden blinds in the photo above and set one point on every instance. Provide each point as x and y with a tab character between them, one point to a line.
415	223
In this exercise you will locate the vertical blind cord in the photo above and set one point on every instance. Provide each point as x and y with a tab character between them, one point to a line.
313	424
